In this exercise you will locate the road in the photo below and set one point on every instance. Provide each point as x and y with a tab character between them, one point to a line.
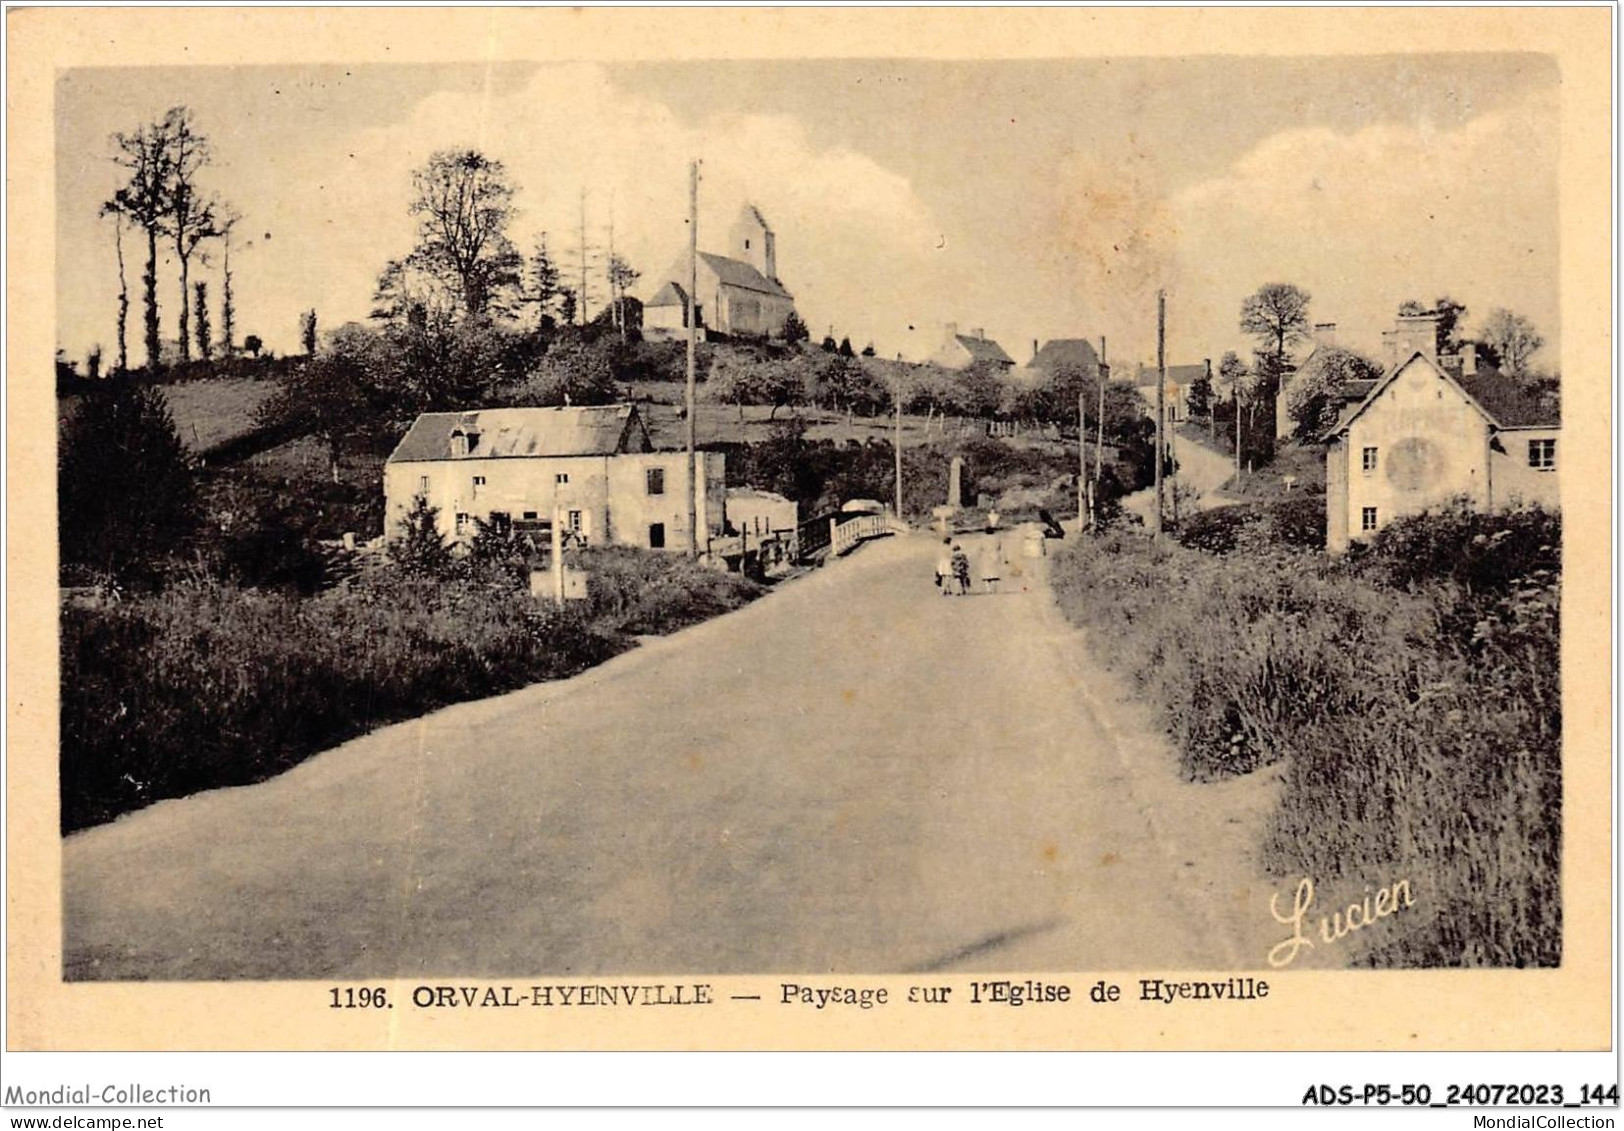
853	774
1200	470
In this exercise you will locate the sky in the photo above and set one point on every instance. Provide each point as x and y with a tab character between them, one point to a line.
1033	199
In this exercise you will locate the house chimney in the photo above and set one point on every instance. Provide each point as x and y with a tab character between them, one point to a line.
952	330
769	244
1034	349
1208	360
1412	333
978	332
1325	333
1468	359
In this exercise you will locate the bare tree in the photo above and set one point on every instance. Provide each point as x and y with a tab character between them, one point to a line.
464	202
1512	338
123	287
144	201
190	215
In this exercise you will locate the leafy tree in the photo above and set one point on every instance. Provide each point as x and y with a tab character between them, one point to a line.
93	362
794	329
1276	314
464	202
779	383
574	373
845	348
205	334
189	215
1447	335
566	306
1313	397
307	331
126	494
1511	339
420	550
143	200
1199	397
252	344
829	345
868	350
336	396
622	276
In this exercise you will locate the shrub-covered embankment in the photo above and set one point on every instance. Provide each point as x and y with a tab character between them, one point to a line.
207	684
1412	691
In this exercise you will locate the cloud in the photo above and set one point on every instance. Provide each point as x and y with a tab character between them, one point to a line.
848	229
1365	220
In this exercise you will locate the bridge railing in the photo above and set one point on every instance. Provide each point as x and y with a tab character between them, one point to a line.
859	528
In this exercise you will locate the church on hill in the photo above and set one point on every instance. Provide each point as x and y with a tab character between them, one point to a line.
738	295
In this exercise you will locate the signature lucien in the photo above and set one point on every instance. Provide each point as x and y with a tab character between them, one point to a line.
1338	925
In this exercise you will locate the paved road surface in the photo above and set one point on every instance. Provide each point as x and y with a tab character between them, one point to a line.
853	774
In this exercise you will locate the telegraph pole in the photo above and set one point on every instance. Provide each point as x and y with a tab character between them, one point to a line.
1237	398
583	255
1099	421
1161	404
693	328
897	397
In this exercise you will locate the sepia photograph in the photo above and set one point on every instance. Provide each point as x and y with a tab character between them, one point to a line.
807	539
847	516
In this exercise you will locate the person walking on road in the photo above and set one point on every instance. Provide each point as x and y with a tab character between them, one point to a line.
992	563
961	569
944	568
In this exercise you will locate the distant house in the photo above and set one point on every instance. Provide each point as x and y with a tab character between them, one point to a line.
739	294
1423	435
1324	339
1179	380
1075	355
594	468
960	351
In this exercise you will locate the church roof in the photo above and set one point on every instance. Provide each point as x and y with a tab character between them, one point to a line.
737	273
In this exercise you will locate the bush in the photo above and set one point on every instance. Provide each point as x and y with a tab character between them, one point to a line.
208	685
649	593
1421	726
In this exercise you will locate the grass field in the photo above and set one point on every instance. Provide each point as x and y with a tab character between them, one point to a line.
212	411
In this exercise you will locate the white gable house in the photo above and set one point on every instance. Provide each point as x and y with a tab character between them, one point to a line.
594	468
1421	438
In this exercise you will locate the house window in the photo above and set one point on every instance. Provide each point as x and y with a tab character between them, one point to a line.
1542	455
575	521
656	535
423	485
530	516
501	523
479	481
1370	460
656	481
462	522
1367	518
747	244
561	478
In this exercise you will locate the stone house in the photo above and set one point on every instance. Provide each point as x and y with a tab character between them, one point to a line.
1179	380
1426	434
739	294
960	351
595	468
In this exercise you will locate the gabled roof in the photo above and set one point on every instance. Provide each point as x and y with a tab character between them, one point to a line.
516	433
1178	374
671	294
1381	387
1067	353
737	273
984	349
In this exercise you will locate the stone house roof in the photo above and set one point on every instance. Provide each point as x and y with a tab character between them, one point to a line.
516	433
